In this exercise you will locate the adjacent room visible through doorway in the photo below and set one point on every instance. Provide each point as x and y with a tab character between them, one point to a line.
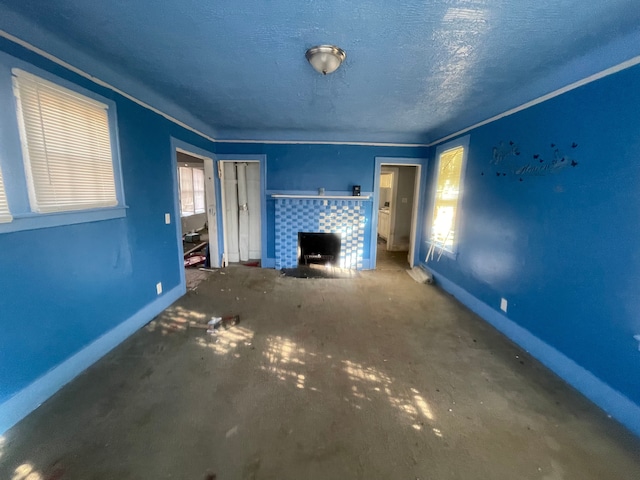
397	204
197	211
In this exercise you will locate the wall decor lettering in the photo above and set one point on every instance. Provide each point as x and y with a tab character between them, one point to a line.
508	159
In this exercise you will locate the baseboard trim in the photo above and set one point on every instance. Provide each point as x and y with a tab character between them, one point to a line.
34	395
269	263
608	399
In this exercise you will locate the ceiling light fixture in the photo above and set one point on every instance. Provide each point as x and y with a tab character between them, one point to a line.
325	58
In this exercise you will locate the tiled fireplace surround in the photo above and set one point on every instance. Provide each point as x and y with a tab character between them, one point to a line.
322	215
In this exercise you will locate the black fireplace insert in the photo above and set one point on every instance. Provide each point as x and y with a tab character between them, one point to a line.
321	248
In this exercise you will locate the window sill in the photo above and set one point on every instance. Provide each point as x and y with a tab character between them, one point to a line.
34	221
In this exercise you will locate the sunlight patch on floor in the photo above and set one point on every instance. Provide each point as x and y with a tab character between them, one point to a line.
26	471
371	382
226	341
285	359
175	319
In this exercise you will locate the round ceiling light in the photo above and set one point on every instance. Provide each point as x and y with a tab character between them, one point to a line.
325	58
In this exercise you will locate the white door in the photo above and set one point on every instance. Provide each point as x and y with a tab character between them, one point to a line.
241	211
232	250
212	216
255	209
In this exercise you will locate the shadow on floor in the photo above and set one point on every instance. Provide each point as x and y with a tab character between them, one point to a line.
319	271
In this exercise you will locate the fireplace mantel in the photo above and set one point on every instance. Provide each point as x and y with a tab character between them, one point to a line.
323	197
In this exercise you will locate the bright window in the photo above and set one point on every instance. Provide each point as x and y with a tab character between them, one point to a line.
198	190
5	214
66	145
191	191
447	197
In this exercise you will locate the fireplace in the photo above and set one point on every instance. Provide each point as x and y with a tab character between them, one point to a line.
345	217
321	248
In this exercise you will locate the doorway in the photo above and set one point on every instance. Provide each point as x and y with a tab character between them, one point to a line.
241	212
396	205
197	209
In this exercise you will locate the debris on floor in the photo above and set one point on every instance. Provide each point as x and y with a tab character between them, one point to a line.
226	322
196	256
195	260
420	275
192	237
318	271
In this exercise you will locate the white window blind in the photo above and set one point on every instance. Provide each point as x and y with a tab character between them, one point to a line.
187	206
66	146
445	207
5	214
198	190
192	199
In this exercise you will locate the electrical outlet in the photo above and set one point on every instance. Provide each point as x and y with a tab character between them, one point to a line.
404	199
159	288
167	218
503	305
637	337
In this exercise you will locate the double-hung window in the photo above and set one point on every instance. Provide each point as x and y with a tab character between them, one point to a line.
191	191
66	147
59	152
5	214
445	217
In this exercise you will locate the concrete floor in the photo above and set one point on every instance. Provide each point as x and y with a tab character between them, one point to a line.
375	377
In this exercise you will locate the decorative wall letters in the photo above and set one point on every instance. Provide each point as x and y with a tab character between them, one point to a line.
507	157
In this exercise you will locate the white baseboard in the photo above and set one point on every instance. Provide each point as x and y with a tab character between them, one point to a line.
32	396
611	401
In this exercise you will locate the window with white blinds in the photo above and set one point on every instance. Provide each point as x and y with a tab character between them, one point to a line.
66	143
192	199
198	190
187	206
5	214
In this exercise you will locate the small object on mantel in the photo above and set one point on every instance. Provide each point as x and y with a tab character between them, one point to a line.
356	190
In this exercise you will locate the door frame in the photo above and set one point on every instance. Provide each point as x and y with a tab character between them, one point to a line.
207	156
417	209
222	234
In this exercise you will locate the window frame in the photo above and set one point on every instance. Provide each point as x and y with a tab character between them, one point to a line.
196	211
12	156
451	252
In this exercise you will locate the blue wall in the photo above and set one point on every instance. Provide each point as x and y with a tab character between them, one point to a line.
65	287
305	168
61	288
562	248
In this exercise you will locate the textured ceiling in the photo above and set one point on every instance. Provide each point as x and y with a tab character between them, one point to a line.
416	70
